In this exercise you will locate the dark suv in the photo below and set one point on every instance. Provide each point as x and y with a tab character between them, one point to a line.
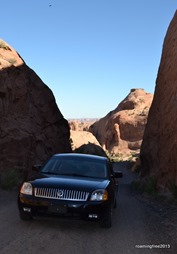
71	185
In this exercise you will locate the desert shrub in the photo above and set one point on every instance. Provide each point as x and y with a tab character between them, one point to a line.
10	179
148	186
137	185
115	157
173	189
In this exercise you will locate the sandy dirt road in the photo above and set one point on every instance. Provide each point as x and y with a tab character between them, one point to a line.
135	223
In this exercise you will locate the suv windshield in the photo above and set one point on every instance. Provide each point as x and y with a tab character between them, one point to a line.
75	167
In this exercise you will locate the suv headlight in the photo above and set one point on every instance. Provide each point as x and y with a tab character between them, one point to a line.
99	195
26	189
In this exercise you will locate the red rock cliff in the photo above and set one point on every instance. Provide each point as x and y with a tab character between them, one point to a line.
159	147
31	126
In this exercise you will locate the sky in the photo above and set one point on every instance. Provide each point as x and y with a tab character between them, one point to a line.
90	53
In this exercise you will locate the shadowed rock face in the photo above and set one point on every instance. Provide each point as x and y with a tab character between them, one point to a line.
121	130
31	126
159	147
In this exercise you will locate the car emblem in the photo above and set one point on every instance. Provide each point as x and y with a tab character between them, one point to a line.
60	194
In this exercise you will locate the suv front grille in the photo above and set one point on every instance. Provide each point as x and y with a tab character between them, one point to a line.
62	194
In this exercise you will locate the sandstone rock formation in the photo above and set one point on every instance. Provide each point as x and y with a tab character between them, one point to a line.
79	138
81	124
159	147
85	142
121	130
31	126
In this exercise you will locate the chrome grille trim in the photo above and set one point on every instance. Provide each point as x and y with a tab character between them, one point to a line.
61	194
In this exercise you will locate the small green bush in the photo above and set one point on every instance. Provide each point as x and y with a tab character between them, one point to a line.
151	186
137	185
10	179
173	189
115	157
